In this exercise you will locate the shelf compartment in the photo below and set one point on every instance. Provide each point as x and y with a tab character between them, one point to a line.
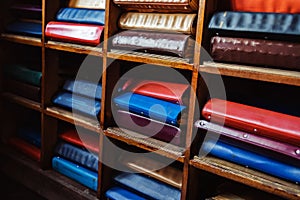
149	144
74	48
22	101
247	176
68	116
251	72
168	61
21	39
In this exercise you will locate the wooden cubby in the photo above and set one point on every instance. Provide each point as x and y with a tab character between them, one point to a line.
201	177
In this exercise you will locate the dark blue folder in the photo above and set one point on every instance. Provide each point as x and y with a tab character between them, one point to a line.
156	109
81	15
77	155
31	135
83	87
26	28
118	193
148	187
252	160
76	172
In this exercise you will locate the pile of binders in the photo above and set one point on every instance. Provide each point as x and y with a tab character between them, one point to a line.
82	22
152	108
260	139
76	156
260	33
169	30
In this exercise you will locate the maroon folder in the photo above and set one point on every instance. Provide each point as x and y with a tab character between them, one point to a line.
28	149
278	126
23	89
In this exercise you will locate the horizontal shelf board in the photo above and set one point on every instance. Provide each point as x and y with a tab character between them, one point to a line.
68	116
74	48
34	41
252	72
247	176
22	101
154	59
149	144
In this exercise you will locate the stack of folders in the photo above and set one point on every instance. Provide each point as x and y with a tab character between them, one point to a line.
260	139
76	156
160	27
152	108
82	22
23	81
80	96
137	186
27	18
260	33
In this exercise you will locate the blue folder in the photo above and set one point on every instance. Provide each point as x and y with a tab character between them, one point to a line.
26	28
118	193
252	160
83	87
81	15
148	187
31	135
80	174
82	104
156	109
77	155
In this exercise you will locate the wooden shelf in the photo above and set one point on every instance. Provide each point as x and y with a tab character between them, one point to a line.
247	176
153	59
22	39
251	72
68	116
74	48
22	101
149	144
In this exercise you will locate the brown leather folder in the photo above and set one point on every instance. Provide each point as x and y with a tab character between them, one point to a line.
23	89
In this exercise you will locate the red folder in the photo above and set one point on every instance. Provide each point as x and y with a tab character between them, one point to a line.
28	149
285	128
73	32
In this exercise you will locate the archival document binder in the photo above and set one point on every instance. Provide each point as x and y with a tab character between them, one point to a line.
118	193
77	155
23	89
162	22
78	173
31	135
252	160
91	4
26	11
84	87
147	187
74	32
87	140
268	53
28	149
25	28
240	138
277	126
156	109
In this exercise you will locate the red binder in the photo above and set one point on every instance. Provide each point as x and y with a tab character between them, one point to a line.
28	149
254	120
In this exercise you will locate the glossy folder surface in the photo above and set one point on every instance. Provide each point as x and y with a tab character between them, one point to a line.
30	150
75	172
253	160
83	87
118	193
26	28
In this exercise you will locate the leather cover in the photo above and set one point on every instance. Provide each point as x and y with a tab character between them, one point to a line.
25	28
275	6
254	120
161	43
83	87
22	89
85	140
77	155
27	7
81	15
150	107
179	22
266	23
30	150
148	127
242	138
78	173
91	4
118	193
24	74
252	160
26	11
147	187
256	52
159	5
31	135
79	103
74	32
